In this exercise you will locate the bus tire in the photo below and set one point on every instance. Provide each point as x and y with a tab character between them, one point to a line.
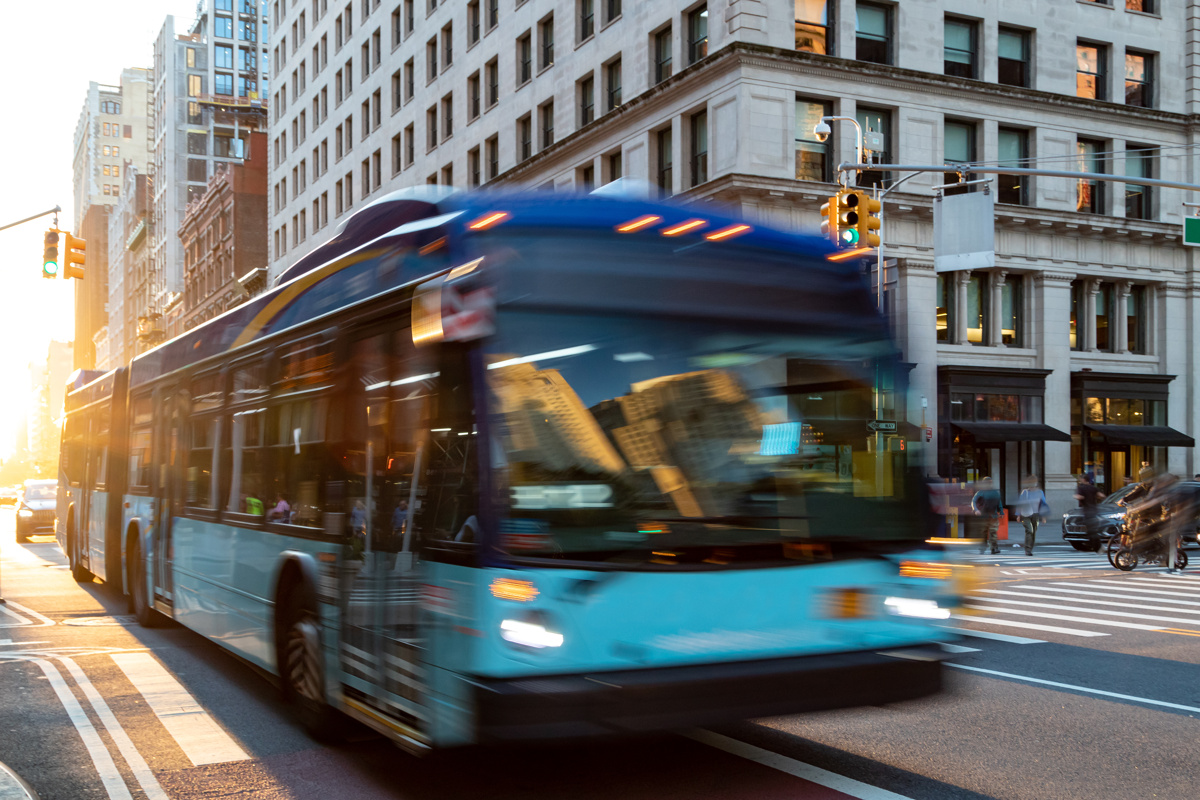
139	589
79	572
300	657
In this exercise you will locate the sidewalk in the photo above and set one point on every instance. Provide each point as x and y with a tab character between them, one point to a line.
12	787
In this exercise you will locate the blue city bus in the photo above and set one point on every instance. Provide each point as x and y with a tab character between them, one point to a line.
505	466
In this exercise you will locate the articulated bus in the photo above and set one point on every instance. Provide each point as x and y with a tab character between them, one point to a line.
521	466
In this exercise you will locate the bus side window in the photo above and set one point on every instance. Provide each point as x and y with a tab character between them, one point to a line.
200	463
139	442
298	439
246	458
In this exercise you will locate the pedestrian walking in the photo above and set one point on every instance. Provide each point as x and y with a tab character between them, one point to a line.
1180	503
1146	473
1032	509
987	504
1089	496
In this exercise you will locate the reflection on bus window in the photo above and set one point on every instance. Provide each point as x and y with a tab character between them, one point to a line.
614	434
298	439
245	457
200	463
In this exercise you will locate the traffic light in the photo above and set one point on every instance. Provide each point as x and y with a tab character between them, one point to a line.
829	221
50	255
849	206
74	252
868	221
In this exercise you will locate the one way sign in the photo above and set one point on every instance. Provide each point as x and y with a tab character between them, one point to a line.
882	425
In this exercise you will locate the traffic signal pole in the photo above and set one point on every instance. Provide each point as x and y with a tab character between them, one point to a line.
54	210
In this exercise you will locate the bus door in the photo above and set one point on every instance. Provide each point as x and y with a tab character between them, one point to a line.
382	643
169	485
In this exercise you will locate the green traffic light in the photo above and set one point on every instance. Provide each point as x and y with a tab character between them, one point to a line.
849	237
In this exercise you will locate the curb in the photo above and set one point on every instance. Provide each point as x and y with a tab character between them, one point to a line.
12	787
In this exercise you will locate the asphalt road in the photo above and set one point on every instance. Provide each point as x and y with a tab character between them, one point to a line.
1076	682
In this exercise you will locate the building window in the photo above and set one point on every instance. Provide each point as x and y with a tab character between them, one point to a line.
473	99
473	163
546	42
431	60
587	19
1145	6
945	306
472	22
959	49
1014	152
223	57
525	137
546	112
587	101
699	144
195	85
524	59
223	27
878	121
959	147
666	160
612	76
493	13
614	165
977	308
410	72
812	156
431	128
663	47
1076	336
1091	71
447	45
492	155
1089	194
1139	79
1011	305
812	26
697	34
612	10
1139	163
1135	319
447	116
873	33
491	74
1104	316
410	144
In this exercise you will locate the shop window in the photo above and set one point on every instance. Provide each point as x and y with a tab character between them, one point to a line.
1011	296
977	308
945	306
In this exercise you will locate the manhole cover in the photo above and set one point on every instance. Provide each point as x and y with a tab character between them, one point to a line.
121	620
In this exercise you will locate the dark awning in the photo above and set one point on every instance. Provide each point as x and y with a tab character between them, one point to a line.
1145	435
1012	432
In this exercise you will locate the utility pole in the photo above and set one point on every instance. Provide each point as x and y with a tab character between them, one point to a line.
54	210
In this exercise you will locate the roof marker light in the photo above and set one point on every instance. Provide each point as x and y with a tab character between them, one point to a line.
488	220
725	233
684	227
638	224
845	255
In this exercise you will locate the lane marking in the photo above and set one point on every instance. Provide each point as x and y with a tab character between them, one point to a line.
830	780
958	648
1113	596
1046	615
202	740
110	776
1176	583
1086	600
1086	610
1074	688
999	637
137	764
1126	587
1033	626
8	607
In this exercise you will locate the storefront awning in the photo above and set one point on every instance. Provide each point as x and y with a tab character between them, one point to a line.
1145	435
1012	432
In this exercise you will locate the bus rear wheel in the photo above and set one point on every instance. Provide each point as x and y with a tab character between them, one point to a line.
301	675
139	591
80	573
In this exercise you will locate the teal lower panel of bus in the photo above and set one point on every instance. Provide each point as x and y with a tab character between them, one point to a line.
574	621
97	515
224	583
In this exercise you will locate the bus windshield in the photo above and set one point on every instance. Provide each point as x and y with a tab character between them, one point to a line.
675	439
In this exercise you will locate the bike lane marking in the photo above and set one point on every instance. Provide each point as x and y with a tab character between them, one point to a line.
198	735
1075	688
799	769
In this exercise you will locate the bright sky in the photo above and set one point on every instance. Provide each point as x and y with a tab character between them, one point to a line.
48	55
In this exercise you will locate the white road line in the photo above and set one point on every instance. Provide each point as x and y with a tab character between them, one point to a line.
1126	587
1033	626
110	776
1086	610
830	780
8	607
958	648
999	637
137	764
1088	601
1045	615
197	734
1074	688
1176	583
1069	594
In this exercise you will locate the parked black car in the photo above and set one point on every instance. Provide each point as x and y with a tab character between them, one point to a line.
1112	518
36	509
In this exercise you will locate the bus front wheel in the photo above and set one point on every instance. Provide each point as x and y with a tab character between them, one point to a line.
139	592
301	676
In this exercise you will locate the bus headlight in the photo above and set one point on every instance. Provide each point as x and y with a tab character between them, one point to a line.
529	633
915	607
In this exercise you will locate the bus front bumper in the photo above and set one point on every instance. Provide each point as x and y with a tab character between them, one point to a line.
636	701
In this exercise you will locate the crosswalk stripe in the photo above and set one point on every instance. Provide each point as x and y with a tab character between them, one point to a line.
958	648
999	637
1085	600
1127	587
1176	583
1070	593
197	734
1033	626
1111	623
1086	610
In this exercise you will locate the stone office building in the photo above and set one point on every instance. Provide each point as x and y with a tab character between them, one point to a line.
1072	352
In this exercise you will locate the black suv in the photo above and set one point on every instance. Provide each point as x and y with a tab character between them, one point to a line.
36	508
1111	518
